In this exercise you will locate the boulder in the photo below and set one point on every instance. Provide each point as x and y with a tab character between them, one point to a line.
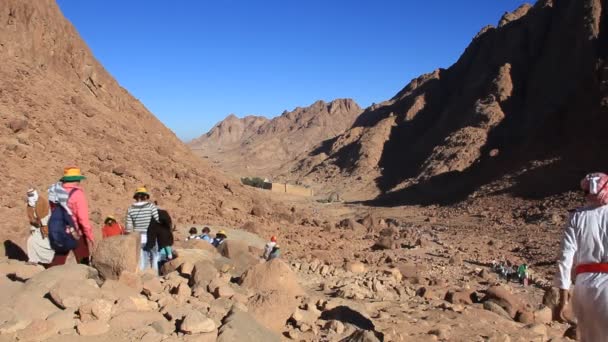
131	304
274	275
98	309
361	336
41	283
186	269
240	326
131	280
461	296
305	317
134	320
92	328
543	316
490	305
204	272
200	244
116	254
355	267
508	301
63	320
112	290
38	330
335	326
188	255
272	309
195	323
19	270
67	294
151	286
238	252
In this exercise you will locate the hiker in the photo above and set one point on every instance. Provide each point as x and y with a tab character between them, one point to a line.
139	217
160	235
583	249
193	234
206	236
269	247
111	227
219	238
39	249
522	274
69	195
275	253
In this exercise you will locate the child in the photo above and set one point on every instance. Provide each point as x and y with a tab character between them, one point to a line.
160	235
111	227
193	234
219	238
206	235
269	248
276	252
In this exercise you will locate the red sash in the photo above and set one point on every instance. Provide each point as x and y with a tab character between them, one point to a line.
591	268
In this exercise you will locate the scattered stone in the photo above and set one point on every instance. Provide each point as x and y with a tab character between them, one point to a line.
335	326
240	326
63	320
98	309
131	280
361	336
355	267
92	328
17	125
186	269
495	308
67	294
152	286
195	323
543	316
501	296
38	330
163	327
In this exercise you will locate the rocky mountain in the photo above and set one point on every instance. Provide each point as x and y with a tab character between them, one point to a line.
522	112
59	107
256	146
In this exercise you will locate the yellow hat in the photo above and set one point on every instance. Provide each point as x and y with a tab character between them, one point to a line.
72	174
141	190
223	232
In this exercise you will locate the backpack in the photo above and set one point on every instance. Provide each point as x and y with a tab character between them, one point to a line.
61	229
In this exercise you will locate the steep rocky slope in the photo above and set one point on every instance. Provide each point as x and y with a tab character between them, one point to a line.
522	112
58	107
256	146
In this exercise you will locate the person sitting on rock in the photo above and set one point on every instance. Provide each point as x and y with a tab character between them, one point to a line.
269	247
583	249
219	238
206	235
111	227
276	252
39	249
193	234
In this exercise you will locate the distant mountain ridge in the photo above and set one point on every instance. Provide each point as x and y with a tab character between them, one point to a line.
257	145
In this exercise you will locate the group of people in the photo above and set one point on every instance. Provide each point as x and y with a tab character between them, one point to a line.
206	236
271	249
60	224
512	271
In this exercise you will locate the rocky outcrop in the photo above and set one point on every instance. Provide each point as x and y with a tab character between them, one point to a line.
499	109
117	254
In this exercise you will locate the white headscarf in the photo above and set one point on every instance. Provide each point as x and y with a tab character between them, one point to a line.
32	197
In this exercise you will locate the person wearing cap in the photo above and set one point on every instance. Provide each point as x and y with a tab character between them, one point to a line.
111	227
139	217
269	247
70	194
39	249
219	238
584	250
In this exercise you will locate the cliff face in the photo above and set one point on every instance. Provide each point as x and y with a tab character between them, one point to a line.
526	102
260	147
59	106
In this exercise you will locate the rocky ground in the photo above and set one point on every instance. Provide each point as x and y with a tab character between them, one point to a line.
348	273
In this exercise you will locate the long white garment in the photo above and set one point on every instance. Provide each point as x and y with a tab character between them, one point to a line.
38	248
585	241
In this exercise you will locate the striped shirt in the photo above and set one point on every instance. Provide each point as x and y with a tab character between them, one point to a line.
139	216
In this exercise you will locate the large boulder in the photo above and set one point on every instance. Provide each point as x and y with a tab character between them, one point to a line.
40	284
68	294
191	256
199	244
116	254
196	322
239	326
204	272
238	252
274	275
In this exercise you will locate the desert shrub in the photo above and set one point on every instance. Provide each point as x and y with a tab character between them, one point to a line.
255	182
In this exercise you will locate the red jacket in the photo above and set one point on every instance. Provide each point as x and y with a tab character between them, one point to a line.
112	230
80	210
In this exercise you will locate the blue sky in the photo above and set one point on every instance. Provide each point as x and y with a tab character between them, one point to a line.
192	62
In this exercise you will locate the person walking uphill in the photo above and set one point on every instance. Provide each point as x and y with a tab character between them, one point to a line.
39	249
585	249
69	194
139	217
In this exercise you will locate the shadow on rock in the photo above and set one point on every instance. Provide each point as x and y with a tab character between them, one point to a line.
13	251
